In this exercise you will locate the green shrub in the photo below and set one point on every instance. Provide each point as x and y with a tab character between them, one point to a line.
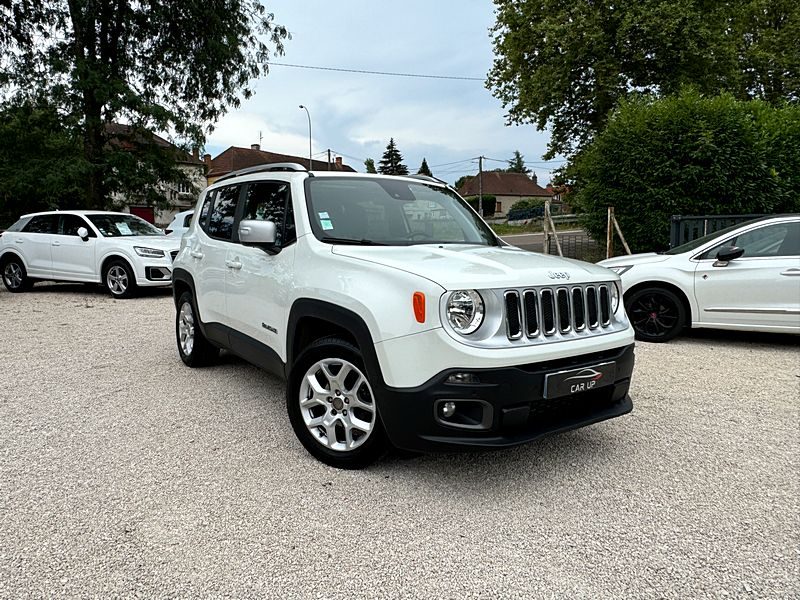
687	155
527	203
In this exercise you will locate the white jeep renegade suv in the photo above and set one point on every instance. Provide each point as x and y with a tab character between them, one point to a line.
396	315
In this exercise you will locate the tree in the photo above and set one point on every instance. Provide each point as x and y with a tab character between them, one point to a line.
369	164
392	161
103	62
41	163
517	164
462	180
565	64
424	169
687	154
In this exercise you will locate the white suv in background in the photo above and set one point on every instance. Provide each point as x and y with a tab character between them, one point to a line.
396	314
120	250
180	223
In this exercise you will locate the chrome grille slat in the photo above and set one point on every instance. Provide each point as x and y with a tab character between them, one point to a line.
562	301
513	315
531	313
548	312
556	313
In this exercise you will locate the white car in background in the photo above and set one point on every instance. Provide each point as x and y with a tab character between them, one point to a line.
745	277
180	224
120	250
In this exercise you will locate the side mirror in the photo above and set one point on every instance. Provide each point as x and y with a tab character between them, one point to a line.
727	254
83	233
258	233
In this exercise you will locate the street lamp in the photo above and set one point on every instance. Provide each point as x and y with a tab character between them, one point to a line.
309	136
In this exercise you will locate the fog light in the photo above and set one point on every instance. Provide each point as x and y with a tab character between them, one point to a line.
463	378
448	409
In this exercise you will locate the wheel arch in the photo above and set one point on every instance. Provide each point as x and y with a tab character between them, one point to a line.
667	286
112	257
9	254
310	320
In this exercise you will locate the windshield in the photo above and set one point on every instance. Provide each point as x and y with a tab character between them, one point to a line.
392	213
689	246
113	225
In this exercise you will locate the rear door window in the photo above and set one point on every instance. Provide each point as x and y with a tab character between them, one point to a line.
223	214
42	224
268	201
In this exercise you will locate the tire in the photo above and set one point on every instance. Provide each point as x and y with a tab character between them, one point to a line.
656	313
119	280
194	349
15	276
329	386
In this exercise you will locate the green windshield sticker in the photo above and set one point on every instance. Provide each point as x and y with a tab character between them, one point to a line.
326	224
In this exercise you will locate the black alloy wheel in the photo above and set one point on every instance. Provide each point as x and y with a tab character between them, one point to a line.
657	314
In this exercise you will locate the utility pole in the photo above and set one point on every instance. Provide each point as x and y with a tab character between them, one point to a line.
329	159
480	185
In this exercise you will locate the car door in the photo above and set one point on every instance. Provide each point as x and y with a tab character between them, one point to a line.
34	242
208	250
74	258
762	288
258	279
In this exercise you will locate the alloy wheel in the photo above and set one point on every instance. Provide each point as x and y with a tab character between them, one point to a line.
337	404
13	275
654	314
186	328
117	280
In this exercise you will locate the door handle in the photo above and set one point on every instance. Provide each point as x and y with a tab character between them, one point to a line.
196	254
56	243
20	241
790	272
233	264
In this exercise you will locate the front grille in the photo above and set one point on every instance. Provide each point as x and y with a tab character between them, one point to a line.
547	312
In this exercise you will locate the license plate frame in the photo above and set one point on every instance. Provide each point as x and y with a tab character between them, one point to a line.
577	381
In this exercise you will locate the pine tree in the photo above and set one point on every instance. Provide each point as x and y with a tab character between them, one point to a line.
517	164
392	161
369	164
424	169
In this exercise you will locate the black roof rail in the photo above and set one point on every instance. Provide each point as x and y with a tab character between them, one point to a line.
428	178
271	167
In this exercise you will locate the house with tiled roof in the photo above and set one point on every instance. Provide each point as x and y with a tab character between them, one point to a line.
180	195
235	158
507	188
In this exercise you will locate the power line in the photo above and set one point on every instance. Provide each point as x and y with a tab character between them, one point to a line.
365	72
527	162
455	162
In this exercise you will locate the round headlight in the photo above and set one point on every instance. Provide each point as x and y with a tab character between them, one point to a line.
465	311
614	297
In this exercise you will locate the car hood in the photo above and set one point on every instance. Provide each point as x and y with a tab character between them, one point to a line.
634	259
456	266
160	242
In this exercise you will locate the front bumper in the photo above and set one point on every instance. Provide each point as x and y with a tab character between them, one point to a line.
514	408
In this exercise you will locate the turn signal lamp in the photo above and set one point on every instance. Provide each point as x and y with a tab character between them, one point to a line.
419	306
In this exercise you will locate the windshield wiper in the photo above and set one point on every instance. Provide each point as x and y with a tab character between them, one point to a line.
350	241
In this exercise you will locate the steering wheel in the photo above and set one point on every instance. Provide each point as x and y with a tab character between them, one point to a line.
421	234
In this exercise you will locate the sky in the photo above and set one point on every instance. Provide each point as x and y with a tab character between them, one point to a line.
354	115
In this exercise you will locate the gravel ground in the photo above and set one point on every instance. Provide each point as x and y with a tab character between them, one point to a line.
124	473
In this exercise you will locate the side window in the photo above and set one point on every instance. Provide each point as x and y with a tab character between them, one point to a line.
42	224
220	221
69	225
772	240
209	200
268	201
